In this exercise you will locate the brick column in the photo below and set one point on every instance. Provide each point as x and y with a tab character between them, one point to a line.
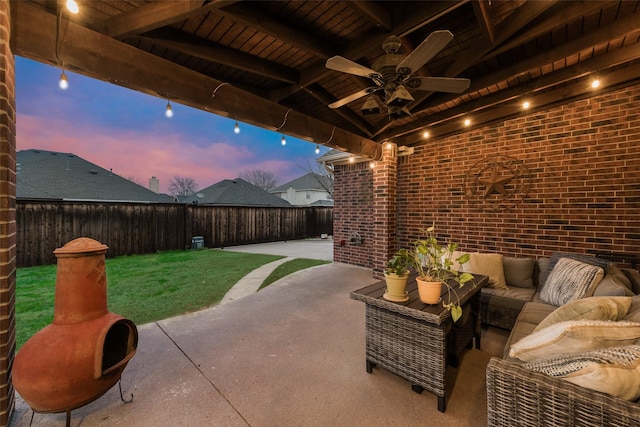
385	181
7	214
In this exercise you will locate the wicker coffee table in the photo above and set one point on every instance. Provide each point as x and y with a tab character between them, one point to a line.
414	340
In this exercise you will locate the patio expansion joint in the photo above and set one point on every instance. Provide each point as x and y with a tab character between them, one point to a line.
195	365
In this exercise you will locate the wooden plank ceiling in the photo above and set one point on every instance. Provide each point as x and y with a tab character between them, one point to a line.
263	62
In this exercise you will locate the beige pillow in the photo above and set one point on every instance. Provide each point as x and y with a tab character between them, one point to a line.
615	371
487	265
569	280
593	308
574	336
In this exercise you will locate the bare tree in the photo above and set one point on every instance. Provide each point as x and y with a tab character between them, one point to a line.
323	174
263	179
182	186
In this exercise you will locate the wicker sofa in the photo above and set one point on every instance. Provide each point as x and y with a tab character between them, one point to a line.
518	396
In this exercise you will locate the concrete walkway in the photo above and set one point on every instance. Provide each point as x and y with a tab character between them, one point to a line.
321	249
250	283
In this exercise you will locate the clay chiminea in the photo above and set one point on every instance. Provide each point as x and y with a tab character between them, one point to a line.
82	354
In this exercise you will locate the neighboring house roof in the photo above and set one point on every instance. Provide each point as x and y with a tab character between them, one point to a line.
310	181
235	192
42	174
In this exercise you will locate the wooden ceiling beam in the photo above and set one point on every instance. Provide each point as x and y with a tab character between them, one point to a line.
199	48
325	97
484	20
246	15
573	11
620	28
101	57
374	13
156	15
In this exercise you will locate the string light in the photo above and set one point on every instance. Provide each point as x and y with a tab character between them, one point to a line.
467	122
317	149
372	165
236	128
64	82
169	111
425	134
595	84
283	141
72	6
526	105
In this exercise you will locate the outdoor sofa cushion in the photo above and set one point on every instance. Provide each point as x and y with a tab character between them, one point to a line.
615	371
593	308
574	336
569	280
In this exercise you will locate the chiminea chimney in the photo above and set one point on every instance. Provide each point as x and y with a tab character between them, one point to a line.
81	355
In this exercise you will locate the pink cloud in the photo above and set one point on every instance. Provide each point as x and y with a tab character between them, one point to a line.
141	155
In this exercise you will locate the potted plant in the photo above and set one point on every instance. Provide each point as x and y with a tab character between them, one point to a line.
396	275
434	267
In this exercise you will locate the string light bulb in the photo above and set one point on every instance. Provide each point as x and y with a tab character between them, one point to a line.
526	105
595	83
425	134
72	6
64	82
283	141
317	149
236	128
169	111
467	122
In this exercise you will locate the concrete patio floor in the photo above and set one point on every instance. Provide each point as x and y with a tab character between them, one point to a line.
289	355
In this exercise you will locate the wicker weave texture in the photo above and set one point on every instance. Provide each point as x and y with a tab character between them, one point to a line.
411	348
499	316
520	397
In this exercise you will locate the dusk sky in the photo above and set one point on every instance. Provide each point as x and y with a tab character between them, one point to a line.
127	131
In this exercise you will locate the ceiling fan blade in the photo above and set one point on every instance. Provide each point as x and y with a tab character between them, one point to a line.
439	84
352	97
424	52
344	65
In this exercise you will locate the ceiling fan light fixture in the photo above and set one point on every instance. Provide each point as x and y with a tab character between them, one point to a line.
399	113
400	97
370	106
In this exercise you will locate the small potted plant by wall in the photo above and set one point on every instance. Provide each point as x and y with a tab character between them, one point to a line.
434	266
396	275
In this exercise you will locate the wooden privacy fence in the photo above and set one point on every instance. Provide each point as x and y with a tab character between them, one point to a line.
138	228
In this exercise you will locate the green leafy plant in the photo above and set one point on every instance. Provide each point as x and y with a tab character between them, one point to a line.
400	263
433	262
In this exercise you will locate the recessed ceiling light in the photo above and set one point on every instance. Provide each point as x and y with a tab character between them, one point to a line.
425	134
595	83
467	122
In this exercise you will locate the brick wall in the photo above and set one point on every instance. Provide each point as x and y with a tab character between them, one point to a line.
579	162
353	213
7	215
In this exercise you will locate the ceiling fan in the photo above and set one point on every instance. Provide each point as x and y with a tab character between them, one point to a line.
392	75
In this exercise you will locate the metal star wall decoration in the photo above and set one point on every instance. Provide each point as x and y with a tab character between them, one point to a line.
497	183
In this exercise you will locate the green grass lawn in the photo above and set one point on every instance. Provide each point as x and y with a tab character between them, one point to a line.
290	267
143	288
